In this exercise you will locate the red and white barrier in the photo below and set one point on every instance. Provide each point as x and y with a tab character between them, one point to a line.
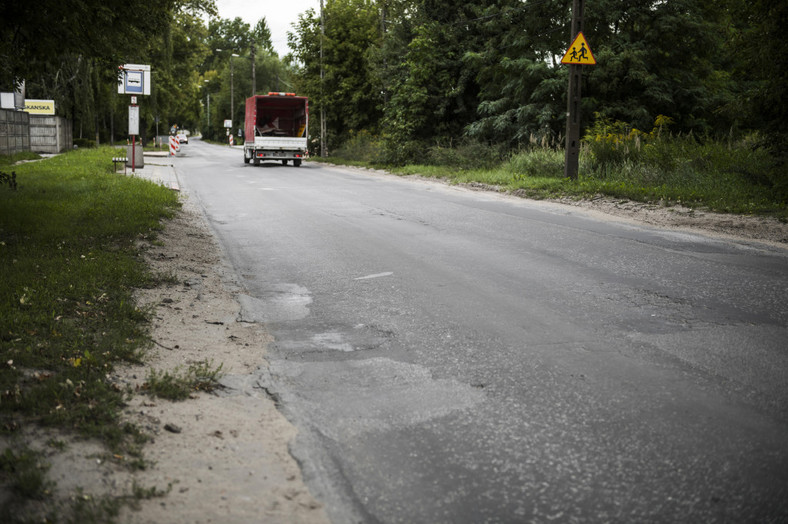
175	145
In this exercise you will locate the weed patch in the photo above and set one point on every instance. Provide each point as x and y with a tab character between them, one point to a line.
178	385
24	472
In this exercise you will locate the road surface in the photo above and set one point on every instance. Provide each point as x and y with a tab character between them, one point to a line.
458	356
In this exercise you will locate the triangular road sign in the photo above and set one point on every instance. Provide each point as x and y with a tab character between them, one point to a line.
579	52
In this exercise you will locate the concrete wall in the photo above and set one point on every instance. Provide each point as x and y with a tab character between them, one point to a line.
50	134
14	132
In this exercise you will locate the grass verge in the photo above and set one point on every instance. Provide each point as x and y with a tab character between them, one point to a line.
69	262
615	161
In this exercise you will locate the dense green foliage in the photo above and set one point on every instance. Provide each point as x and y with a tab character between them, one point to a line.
441	72
70	52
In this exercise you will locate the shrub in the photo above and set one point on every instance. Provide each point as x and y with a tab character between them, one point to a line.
401	153
84	142
469	154
537	162
361	147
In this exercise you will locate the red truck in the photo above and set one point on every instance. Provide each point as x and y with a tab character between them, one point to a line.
276	127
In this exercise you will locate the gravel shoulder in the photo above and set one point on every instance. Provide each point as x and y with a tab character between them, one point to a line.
225	454
740	228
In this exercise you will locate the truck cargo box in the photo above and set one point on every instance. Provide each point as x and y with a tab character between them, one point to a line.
276	128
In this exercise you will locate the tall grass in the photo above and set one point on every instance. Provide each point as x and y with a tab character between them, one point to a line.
616	160
660	166
68	265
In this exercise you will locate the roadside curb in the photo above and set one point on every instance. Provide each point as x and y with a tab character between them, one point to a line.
159	169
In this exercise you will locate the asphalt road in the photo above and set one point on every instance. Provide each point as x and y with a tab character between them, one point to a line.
458	356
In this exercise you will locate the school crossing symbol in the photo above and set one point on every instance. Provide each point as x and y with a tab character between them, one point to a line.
579	52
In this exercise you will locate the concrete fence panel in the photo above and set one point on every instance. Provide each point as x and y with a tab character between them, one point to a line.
14	132
50	134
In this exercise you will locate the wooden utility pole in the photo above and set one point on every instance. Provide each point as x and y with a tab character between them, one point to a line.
572	157
323	151
254	78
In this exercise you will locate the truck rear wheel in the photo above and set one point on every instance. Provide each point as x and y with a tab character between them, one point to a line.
284	162
256	161
297	162
246	159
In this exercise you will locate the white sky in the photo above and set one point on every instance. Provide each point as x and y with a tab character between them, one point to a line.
279	14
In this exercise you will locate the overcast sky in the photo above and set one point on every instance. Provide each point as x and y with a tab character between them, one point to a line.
279	14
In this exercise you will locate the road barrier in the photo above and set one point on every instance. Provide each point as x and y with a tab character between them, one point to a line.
175	145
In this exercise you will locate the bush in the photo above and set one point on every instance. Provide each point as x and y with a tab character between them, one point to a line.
537	162
611	143
468	154
84	142
401	153
361	147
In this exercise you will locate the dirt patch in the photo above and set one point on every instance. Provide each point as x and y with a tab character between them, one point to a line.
737	227
225	454
744	228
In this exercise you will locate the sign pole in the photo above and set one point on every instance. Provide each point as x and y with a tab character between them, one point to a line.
134	79
572	157
134	130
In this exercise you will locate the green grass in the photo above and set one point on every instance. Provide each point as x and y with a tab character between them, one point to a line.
8	160
658	168
69	263
24	472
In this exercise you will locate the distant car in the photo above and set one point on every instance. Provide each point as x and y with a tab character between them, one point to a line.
183	138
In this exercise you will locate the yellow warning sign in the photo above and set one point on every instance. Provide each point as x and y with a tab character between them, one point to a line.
579	52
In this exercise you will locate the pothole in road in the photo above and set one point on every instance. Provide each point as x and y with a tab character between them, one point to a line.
284	302
360	337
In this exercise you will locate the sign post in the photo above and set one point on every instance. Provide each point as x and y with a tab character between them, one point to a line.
578	54
134	80
134	130
227	125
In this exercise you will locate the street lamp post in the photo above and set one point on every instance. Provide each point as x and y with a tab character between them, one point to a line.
208	114
232	89
323	131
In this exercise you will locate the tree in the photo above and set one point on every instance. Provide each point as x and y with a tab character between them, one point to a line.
522	85
228	83
432	92
349	93
70	52
34	35
261	35
757	44
658	58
